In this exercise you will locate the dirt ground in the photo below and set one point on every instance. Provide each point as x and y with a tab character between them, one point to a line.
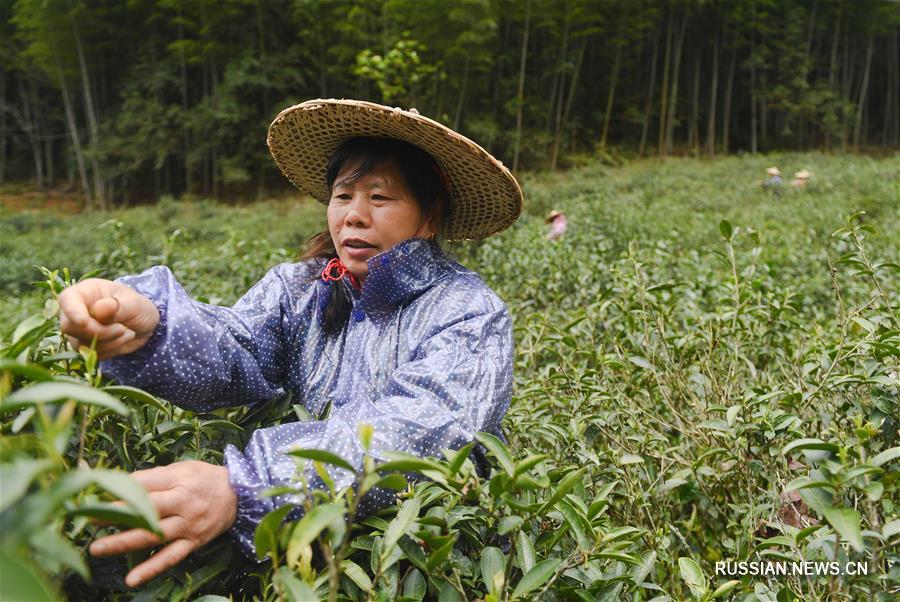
50	201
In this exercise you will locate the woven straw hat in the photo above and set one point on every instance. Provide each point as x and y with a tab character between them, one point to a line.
773	171
802	175
486	197
553	215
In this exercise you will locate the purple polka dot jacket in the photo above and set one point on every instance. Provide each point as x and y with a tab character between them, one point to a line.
425	358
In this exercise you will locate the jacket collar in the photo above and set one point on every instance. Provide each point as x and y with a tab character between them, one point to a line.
401	274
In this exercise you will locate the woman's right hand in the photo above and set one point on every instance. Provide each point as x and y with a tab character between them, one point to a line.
120	319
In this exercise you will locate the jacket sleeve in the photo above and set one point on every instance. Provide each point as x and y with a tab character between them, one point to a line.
204	356
457	383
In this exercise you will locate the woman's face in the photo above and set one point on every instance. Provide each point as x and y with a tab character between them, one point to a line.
372	214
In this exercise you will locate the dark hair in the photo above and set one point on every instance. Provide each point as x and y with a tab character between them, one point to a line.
420	173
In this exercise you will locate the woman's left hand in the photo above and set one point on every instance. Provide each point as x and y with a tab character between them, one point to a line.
195	503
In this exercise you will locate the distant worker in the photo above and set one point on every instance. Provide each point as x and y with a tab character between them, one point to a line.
558	224
773	182
801	179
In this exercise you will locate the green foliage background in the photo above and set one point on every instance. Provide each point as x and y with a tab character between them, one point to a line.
128	101
704	371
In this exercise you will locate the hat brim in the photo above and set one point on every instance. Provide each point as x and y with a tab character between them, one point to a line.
486	197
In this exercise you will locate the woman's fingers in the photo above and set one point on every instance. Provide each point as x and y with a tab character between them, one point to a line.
85	331
159	478
117	346
136	539
104	310
160	562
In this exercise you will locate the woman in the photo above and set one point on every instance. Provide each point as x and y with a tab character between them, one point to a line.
375	323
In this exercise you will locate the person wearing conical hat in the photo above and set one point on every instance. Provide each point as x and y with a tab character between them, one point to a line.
773	182
375	322
558	224
801	179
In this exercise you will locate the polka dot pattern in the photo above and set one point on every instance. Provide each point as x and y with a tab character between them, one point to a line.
426	359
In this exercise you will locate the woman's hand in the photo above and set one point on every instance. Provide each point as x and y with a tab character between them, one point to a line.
119	318
195	503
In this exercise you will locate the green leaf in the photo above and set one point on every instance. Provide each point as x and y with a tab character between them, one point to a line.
536	577
509	523
459	457
265	538
413	552
815	444
846	522
874	491
493	563
414	586
401	462
437	558
322	455
113	514
529	462
52	392
20	581
890	529
525	551
309	527
401	525
31	372
50	546
731	414
16	477
640	571
640	362
578	527
118	483
725	588
886	456
448	593
138	395
357	575
693	576
498	450
293	588
726	229
563	488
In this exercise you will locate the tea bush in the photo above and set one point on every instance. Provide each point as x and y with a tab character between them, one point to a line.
704	373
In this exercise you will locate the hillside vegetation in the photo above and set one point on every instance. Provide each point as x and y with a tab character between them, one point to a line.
705	371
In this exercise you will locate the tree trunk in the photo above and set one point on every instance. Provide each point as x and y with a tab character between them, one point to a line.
560	91
648	105
30	126
726	110
214	148
663	101
612	94
520	92
76	139
895	78
49	164
694	126
2	127
673	94
99	186
264	95
713	94
753	143
863	89
832	68
185	131
809	34
457	115
846	86
573	86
